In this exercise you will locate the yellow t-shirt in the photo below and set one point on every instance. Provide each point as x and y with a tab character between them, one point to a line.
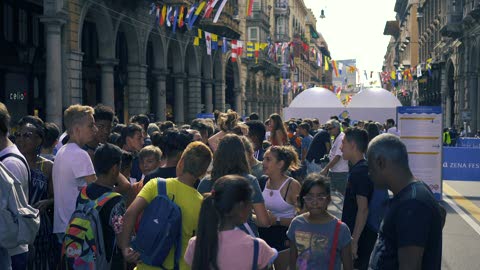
189	201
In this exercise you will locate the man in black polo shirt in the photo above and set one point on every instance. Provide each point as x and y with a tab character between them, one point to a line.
410	236
319	147
357	196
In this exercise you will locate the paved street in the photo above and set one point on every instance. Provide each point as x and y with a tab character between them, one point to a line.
461	235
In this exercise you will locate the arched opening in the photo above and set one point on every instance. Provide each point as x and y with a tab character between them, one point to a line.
450	98
207	84
121	77
151	80
22	65
230	87
174	67
91	73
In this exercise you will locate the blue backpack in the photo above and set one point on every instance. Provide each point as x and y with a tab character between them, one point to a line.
160	229
377	208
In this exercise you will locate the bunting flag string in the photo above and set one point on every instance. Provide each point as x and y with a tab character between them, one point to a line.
209	9
249	7
180	17
208	41
196	14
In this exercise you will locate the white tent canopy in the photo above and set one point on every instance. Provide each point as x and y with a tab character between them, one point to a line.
374	98
316	97
315	102
375	104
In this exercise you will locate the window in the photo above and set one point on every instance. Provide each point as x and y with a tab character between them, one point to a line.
22	26
35	31
8	22
257	5
280	26
253	34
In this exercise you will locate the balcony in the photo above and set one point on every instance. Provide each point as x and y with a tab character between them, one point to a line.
260	18
228	24
265	64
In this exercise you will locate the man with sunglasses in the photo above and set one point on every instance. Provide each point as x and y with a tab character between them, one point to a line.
16	163
337	167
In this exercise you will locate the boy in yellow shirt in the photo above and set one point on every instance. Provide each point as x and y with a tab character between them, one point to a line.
193	165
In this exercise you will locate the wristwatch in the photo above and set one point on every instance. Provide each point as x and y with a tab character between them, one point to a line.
278	222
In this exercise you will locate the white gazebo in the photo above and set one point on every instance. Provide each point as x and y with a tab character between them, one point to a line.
375	104
315	102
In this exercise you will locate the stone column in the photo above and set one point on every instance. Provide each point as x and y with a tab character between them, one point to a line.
261	111
194	96
220	95
249	108
74	79
238	101
472	97
53	91
208	96
445	97
108	88
477	104
179	97
160	92
138	95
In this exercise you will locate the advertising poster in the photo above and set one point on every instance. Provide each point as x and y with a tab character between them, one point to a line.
421	131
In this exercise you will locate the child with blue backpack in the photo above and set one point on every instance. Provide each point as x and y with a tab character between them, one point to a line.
219	244
171	208
91	235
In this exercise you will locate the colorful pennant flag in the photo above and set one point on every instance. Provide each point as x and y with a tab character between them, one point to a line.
196	40
249	7
190	14
163	15
208	41
225	45
419	70
239	48
167	18
153	8
180	17
196	14
257	52
214	42
219	11
335	69
326	61
209	9
250	49
175	18
234	51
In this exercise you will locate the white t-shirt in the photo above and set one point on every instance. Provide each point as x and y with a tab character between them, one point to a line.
71	165
394	131
18	169
342	165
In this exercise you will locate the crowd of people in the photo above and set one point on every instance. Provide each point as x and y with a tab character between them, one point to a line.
222	193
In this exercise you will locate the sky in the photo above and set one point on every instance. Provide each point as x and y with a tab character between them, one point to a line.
353	29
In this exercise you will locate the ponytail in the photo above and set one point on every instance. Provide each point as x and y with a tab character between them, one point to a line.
226	193
206	246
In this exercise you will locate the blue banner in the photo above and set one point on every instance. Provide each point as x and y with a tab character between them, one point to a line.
205	115
468	142
461	163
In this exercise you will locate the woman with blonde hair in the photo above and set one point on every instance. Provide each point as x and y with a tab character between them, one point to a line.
278	133
227	123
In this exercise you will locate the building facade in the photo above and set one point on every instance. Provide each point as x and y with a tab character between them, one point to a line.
449	55
63	52
403	51
450	36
